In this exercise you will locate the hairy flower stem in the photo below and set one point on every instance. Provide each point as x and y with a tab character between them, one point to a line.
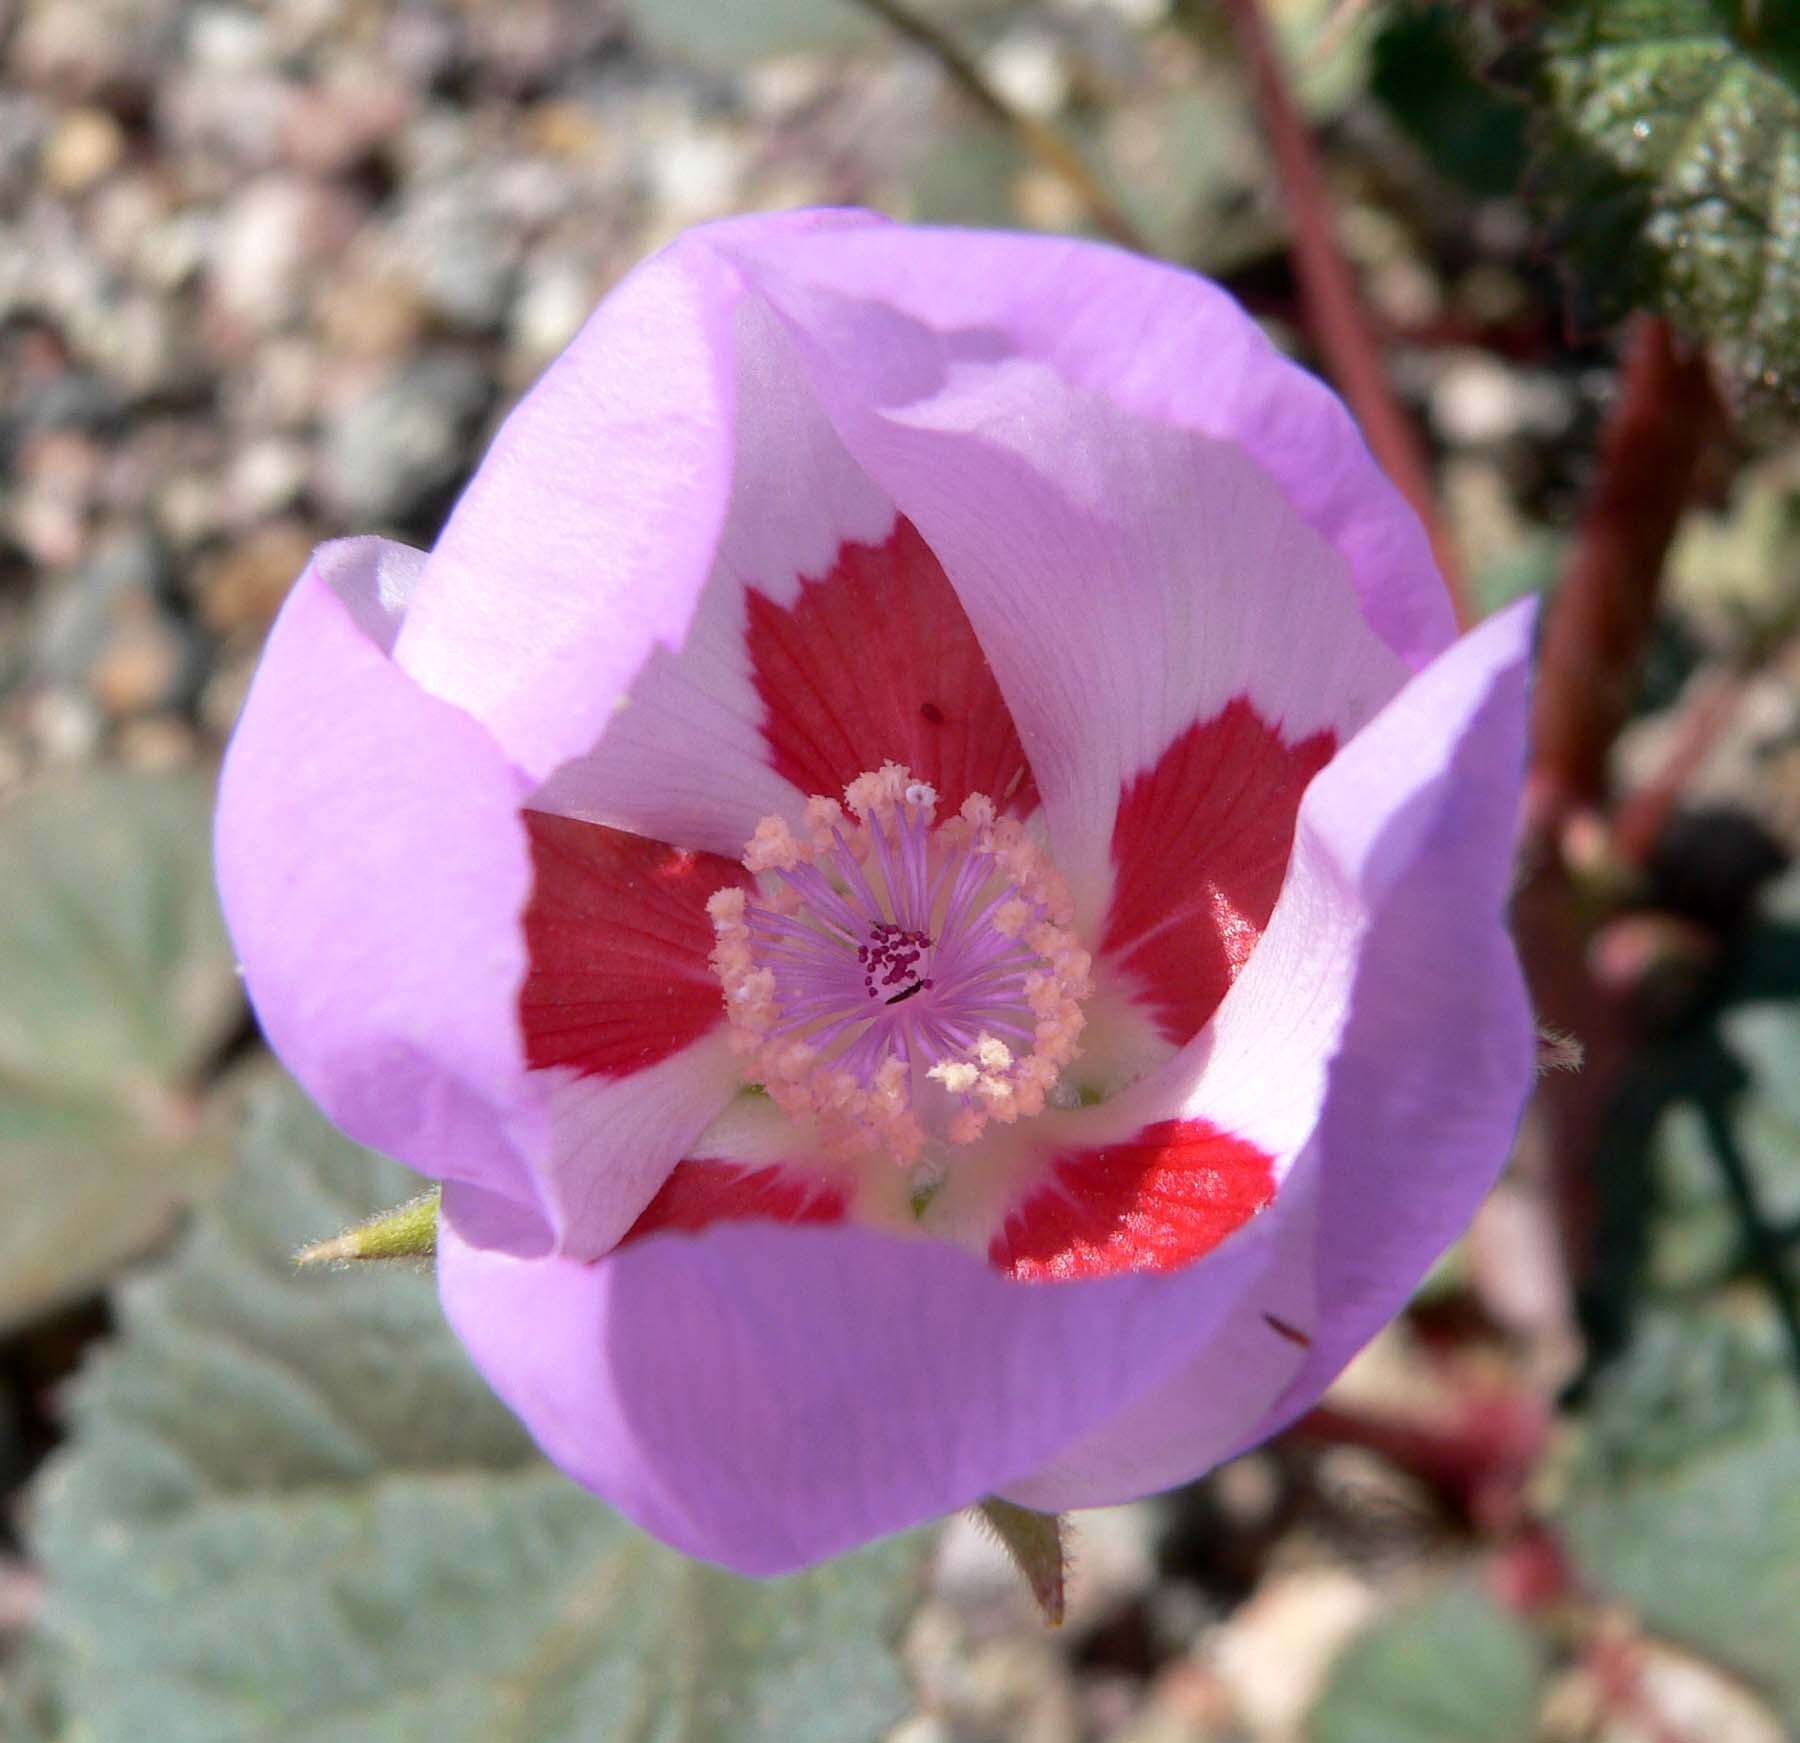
1335	312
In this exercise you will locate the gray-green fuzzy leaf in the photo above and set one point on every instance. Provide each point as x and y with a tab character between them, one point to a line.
116	984
1685	1502
1448	1666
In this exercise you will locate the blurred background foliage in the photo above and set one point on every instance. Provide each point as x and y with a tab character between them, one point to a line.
273	272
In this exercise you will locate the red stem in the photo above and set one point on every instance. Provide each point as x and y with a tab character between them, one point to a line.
1334	309
1477	1460
1596	634
1597	631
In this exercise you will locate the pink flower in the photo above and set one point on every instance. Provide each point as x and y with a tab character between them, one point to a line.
1119	1015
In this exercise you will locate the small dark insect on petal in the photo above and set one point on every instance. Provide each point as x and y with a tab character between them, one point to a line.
932	712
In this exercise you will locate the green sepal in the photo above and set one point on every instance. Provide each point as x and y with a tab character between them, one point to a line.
1039	1546
408	1231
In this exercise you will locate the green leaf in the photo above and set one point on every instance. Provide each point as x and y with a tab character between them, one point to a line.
24	1715
1466	130
1448	1666
1685	1499
293	1511
1677	133
1700	1169
1740	1116
729	35
966	172
116	986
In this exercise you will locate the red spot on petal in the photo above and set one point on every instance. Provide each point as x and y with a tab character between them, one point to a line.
617	939
1155	1202
698	1194
877	662
1200	848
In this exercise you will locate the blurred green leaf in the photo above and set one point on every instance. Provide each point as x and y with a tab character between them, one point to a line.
967	172
1447	1666
1740	1109
116	986
1190	169
1735	569
1700	1165
1677	125
1466	129
23	1718
1685	1501
729	35
292	1509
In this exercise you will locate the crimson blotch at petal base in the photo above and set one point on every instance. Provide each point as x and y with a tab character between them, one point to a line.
923	861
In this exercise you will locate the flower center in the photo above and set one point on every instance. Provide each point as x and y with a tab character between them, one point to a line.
898	981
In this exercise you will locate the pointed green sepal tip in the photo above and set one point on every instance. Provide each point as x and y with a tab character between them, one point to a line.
1039	1546
408	1231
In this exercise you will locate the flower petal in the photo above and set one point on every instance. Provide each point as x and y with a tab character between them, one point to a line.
623	1019
375	863
617	466
372	869
1406	1098
1146	511
766	1396
875	661
618	942
1162	344
1155	1201
826	641
694	525
1200	847
1440	1043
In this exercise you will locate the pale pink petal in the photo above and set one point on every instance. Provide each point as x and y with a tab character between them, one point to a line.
826	642
410	969
1149	515
765	1396
372	867
590	598
1392	1066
